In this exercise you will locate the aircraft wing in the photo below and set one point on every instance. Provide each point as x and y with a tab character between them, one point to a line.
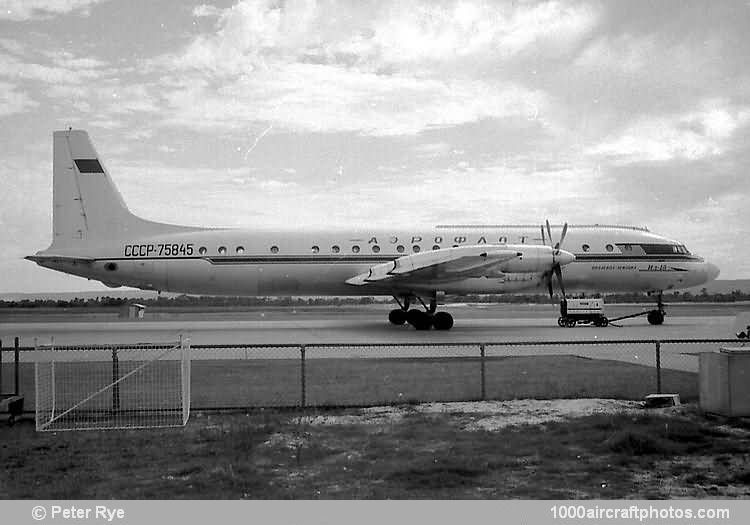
447	264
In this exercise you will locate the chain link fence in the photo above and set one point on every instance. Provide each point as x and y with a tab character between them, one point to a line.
327	375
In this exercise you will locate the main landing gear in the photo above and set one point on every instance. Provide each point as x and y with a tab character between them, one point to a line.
421	320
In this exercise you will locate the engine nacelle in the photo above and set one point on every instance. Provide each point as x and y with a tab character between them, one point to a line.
535	259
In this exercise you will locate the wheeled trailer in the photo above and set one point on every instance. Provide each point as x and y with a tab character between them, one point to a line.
591	311
582	311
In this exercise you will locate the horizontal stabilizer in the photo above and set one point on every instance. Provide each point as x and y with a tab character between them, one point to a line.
41	259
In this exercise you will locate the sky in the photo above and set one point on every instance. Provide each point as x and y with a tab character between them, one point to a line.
383	114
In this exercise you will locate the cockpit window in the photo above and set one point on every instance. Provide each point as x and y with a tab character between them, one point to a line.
653	249
663	249
631	249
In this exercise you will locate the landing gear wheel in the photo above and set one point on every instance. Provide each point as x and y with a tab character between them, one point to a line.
570	323
561	322
655	317
397	316
442	321
419	319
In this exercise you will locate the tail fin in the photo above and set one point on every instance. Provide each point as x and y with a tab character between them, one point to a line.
86	203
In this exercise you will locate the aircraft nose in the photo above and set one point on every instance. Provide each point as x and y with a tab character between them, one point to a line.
565	257
712	271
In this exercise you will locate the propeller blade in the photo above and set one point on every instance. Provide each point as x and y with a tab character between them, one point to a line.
549	232
558	273
549	285
562	235
556	266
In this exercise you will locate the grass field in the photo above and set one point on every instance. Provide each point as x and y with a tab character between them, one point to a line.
398	451
409	451
239	383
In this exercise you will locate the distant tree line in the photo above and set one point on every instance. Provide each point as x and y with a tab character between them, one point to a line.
220	301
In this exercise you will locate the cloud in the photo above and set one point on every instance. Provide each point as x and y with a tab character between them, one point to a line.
67	60
383	34
13	46
33	9
378	69
64	69
13	101
204	10
323	98
698	134
450	31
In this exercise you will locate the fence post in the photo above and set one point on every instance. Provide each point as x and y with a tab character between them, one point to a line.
658	367
115	377
1	366
15	365
302	376
481	356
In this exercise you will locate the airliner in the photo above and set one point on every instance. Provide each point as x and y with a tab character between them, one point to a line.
97	237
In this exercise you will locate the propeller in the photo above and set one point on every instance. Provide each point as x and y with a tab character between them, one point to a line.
559	257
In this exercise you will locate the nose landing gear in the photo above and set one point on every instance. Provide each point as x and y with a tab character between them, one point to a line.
656	317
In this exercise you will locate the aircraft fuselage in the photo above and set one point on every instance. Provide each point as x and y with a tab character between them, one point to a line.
240	262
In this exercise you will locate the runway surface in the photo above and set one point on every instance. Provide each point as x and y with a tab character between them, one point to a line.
473	323
367	325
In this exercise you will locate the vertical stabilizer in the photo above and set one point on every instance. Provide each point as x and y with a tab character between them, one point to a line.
86	203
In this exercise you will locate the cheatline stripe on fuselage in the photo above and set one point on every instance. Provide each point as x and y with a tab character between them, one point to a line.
333	259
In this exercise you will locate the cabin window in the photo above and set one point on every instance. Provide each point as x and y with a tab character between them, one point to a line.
240	249
274	249
609	247
202	250
222	250
375	248
400	249
585	247
315	249
110	267
436	247
355	249
416	248
335	249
